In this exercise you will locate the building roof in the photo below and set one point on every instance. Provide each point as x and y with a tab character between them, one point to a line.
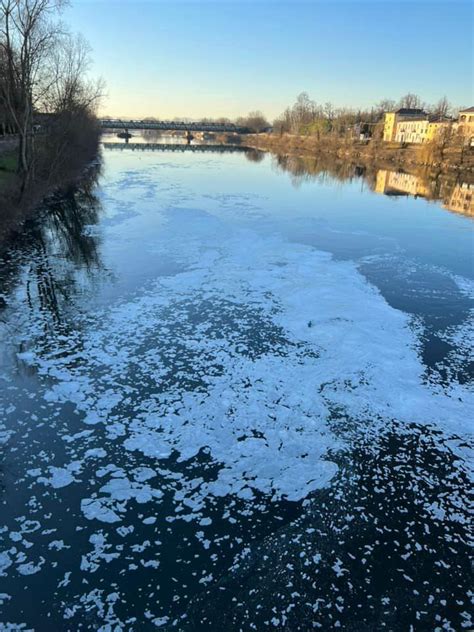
440	119
410	111
414	119
471	109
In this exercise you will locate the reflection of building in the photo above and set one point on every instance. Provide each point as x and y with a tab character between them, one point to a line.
393	119
462	199
399	183
458	198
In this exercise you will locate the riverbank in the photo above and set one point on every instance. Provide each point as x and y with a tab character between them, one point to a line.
383	155
57	166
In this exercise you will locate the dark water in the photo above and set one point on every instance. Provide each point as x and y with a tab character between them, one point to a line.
236	394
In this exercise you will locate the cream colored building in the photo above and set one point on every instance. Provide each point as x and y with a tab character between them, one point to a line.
415	126
412	131
436	128
465	124
393	119
422	130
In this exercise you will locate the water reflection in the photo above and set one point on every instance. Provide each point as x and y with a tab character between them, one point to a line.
58	250
320	169
455	192
457	196
401	183
178	147
462	199
254	155
167	137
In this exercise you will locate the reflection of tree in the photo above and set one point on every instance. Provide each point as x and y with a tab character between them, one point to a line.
57	251
68	217
254	155
152	135
432	185
316	168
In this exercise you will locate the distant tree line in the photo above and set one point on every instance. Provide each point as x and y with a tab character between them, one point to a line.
306	116
45	96
254	121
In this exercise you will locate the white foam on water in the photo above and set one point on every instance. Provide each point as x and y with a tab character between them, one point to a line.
60	476
263	418
30	568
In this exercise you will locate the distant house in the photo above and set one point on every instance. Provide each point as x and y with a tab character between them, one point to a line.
422	129
392	119
466	117
416	126
465	124
437	127
360	131
413	130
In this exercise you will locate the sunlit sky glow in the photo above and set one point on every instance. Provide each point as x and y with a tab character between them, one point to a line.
194	59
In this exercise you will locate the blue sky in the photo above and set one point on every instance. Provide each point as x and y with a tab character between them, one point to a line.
174	58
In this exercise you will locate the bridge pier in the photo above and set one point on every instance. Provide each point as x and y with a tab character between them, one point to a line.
125	135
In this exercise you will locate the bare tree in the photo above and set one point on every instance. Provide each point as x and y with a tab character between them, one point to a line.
46	72
5	117
71	98
411	101
385	105
255	121
303	110
442	109
329	111
27	38
68	89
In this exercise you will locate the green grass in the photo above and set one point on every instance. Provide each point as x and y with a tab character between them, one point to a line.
8	165
8	161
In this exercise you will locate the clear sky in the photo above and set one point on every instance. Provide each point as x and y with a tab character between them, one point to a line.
193	59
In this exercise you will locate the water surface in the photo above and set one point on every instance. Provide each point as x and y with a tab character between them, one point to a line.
236	394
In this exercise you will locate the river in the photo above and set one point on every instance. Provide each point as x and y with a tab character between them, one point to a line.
236	394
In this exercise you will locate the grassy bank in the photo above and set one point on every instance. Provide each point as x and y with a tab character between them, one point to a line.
8	163
384	155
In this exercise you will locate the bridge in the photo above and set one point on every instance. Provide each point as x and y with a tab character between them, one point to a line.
172	126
